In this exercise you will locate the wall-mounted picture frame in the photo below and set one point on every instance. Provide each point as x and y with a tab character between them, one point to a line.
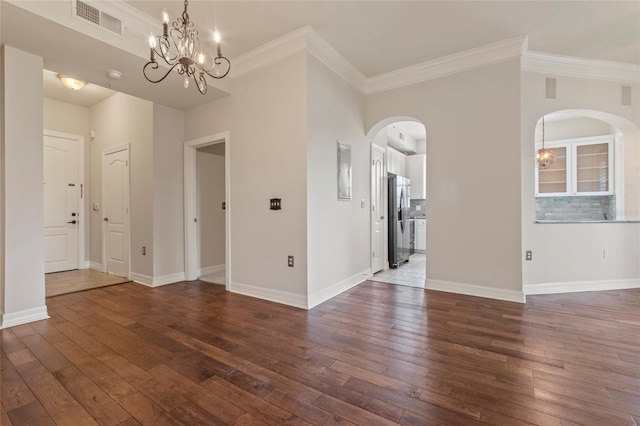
344	172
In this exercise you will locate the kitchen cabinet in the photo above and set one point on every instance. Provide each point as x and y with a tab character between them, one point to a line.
417	167
583	167
421	235
396	162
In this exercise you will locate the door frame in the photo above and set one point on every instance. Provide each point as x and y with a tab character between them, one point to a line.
127	197
82	263
191	246
383	206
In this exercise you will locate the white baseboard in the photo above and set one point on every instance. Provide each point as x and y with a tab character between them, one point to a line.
577	286
24	317
278	296
475	290
96	266
335	289
86	265
209	270
157	281
168	279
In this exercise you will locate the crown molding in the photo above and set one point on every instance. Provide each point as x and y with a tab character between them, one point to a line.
451	64
548	63
271	52
330	57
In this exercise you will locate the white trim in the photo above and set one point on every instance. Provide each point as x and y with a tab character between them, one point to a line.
330	57
475	290
168	279
278	296
81	194
578	286
24	317
547	63
191	249
271	52
127	197
209	270
451	64
141	279
333	290
86	265
97	266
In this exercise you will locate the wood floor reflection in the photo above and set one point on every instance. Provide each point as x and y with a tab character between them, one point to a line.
378	354
58	283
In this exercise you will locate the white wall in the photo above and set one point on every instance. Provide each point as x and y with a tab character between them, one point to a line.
338	232
118	120
211	218
72	119
266	118
579	127
571	255
473	173
23	243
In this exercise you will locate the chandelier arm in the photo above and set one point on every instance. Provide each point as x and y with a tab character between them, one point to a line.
219	60
201	83
154	66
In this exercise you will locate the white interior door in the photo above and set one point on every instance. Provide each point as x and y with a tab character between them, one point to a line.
377	210
115	207
61	203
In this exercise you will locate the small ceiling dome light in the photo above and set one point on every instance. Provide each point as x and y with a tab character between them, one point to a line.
114	74
71	83
545	157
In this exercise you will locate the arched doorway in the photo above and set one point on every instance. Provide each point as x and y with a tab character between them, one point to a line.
398	194
595	174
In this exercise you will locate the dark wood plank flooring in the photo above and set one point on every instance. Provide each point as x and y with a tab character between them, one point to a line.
192	354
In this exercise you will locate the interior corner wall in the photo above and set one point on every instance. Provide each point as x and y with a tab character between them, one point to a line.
571	255
211	217
24	290
338	232
73	119
168	194
118	120
266	117
472	120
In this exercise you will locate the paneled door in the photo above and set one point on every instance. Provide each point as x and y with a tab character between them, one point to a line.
377	209
61	202
115	202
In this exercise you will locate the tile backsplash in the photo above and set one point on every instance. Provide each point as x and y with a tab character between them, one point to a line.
597	207
413	208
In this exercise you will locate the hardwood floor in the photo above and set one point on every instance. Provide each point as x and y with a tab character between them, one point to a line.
378	354
58	283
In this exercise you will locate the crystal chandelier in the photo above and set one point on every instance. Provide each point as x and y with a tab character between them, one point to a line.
545	157
179	47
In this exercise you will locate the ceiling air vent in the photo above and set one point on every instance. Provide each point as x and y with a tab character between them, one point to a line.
98	17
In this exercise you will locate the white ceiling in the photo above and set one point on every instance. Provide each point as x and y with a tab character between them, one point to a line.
375	36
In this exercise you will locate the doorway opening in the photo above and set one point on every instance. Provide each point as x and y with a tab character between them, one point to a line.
207	209
398	194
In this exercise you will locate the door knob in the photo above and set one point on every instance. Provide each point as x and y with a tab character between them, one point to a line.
106	219
73	222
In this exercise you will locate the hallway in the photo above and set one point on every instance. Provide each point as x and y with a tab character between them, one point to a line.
58	283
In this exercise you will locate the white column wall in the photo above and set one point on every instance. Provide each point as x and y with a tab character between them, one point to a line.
473	175
22	158
570	256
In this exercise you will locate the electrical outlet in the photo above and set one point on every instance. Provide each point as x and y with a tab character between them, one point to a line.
605	253
290	261
362	204
144	250
529	255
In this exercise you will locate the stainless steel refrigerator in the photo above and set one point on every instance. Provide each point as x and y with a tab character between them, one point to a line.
399	228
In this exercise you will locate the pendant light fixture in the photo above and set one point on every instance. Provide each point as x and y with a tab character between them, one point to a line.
545	157
179	48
